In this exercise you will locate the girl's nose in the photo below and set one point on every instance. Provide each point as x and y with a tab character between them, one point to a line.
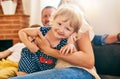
61	30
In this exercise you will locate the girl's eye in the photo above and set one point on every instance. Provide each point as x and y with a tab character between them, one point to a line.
67	29
45	16
59	24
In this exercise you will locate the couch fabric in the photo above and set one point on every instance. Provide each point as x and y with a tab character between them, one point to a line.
107	60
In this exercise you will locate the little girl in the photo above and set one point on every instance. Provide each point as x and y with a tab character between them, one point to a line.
65	22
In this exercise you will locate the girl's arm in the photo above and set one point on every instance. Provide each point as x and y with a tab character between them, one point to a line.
24	36
83	58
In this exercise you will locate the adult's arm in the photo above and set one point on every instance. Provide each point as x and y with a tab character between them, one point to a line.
83	58
5	53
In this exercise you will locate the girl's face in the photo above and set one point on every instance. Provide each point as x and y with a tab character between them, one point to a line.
61	28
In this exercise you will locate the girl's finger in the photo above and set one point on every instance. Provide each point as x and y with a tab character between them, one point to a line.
40	35
67	51
62	50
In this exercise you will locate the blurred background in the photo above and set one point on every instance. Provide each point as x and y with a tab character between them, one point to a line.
102	15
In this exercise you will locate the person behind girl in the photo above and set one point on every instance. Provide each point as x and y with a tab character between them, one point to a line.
64	23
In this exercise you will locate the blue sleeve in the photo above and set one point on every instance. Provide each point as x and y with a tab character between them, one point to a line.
44	29
99	39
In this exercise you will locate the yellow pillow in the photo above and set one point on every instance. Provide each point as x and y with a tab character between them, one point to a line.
8	72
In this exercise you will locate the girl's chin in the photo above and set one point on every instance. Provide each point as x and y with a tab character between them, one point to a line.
59	37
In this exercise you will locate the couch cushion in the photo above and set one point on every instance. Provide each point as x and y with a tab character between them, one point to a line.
107	59
109	77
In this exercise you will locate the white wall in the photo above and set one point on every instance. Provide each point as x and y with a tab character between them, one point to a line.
103	15
35	12
26	6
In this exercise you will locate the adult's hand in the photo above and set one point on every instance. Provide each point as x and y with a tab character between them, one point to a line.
42	42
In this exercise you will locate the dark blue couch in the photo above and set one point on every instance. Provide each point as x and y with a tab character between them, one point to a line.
107	60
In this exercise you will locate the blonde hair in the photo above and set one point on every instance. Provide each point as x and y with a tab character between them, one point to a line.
71	13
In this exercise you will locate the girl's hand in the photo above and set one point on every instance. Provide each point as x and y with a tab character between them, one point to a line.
33	47
72	38
68	49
